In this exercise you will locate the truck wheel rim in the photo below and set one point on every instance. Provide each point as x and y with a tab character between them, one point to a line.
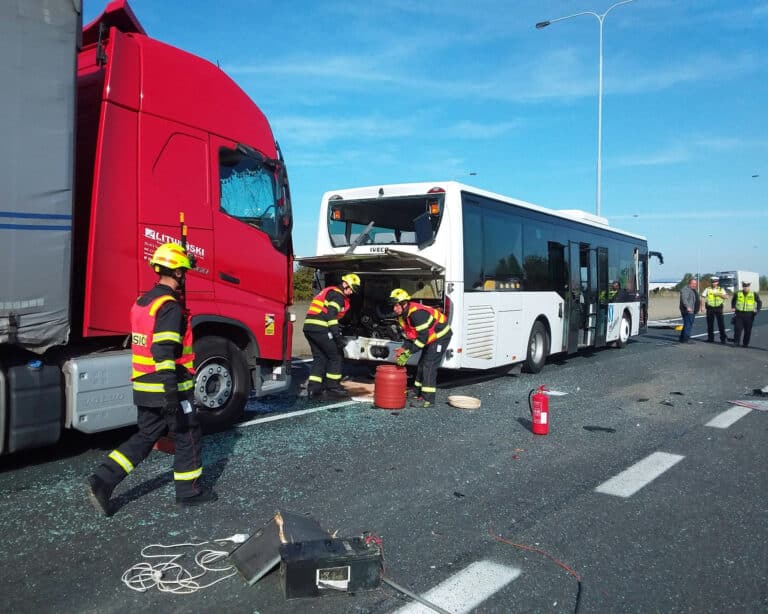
213	385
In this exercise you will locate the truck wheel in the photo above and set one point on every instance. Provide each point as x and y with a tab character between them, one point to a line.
625	328
221	382
538	348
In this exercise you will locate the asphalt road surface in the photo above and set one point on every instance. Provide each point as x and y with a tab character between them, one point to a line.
647	495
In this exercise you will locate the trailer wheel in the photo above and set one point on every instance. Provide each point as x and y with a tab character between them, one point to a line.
221	382
538	348
625	328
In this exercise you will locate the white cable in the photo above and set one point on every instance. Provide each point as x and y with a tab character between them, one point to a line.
171	577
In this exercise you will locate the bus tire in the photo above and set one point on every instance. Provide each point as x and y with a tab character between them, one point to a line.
538	348
625	329
221	382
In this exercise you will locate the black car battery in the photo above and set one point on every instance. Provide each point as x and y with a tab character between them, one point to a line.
322	567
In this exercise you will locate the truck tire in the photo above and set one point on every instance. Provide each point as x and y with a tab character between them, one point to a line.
538	348
221	382
625	329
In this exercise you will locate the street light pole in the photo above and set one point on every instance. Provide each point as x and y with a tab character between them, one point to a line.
600	18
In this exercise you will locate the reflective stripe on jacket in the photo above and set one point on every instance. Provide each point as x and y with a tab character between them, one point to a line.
715	297
745	301
326	311
146	370
428	329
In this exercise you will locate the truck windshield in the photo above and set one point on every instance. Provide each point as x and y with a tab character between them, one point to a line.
249	190
396	221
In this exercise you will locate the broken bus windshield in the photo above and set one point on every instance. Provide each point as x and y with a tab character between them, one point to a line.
396	221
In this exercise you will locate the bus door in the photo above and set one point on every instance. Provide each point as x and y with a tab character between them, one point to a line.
578	295
642	289
601	292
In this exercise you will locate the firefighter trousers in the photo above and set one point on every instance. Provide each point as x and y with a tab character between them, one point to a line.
426	371
153	423
326	362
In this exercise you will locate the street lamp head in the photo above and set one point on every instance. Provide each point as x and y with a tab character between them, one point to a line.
542	24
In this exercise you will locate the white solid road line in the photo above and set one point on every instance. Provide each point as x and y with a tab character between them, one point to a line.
629	481
728	417
465	590
293	414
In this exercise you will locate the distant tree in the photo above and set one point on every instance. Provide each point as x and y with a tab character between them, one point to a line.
302	283
763	283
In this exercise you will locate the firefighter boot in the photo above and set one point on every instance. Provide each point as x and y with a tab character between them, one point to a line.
316	394
99	493
421	403
337	392
204	496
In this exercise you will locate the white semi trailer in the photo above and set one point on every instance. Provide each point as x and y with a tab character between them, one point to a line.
731	281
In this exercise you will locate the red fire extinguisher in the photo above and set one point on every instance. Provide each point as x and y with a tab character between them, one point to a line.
538	403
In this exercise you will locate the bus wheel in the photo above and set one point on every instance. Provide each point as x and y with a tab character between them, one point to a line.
538	348
221	382
625	327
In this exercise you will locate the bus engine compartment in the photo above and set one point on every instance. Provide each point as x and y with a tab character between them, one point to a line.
370	326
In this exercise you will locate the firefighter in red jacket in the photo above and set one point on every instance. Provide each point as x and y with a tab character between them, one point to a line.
321	328
427	330
162	357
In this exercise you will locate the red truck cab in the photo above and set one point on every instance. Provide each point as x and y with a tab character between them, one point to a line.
162	132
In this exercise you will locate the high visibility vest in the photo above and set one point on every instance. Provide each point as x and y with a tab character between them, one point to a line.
318	309
143	335
715	297
745	302
437	325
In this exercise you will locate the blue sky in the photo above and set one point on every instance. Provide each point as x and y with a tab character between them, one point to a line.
364	93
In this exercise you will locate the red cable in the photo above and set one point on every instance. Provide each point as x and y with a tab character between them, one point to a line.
532	549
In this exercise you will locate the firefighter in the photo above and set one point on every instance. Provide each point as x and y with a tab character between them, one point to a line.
426	330
713	299
161	341
745	304
321	328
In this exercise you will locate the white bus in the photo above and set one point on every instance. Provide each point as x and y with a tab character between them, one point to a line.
518	282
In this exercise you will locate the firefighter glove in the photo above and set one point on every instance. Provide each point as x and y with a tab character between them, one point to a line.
340	342
402	358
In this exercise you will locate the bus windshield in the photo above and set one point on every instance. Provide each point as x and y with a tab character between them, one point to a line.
411	220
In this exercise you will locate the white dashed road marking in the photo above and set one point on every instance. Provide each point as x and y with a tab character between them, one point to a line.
629	481
728	417
465	590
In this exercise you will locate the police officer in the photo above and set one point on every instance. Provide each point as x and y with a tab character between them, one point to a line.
161	342
745	305
712	299
427	330
321	328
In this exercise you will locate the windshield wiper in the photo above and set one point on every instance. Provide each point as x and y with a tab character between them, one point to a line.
361	237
